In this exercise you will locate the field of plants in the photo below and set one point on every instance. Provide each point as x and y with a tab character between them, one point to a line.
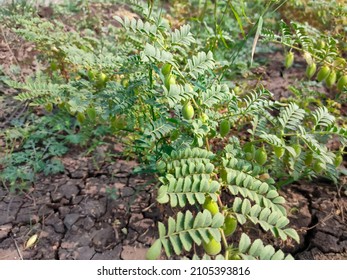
177	129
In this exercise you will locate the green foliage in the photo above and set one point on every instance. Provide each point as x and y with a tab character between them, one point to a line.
187	179
112	81
257	250
17	8
294	127
186	230
267	209
41	147
316	48
325	15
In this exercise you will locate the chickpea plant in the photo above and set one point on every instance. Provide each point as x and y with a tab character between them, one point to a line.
202	108
194	173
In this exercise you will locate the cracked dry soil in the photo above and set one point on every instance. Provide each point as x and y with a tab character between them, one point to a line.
318	211
85	213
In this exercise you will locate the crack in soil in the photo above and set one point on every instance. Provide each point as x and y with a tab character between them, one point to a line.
326	228
311	226
308	237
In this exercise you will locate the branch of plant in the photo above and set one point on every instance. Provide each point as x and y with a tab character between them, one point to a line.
319	59
224	241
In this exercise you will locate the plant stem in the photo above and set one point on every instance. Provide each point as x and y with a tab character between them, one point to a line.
224	241
313	55
207	144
